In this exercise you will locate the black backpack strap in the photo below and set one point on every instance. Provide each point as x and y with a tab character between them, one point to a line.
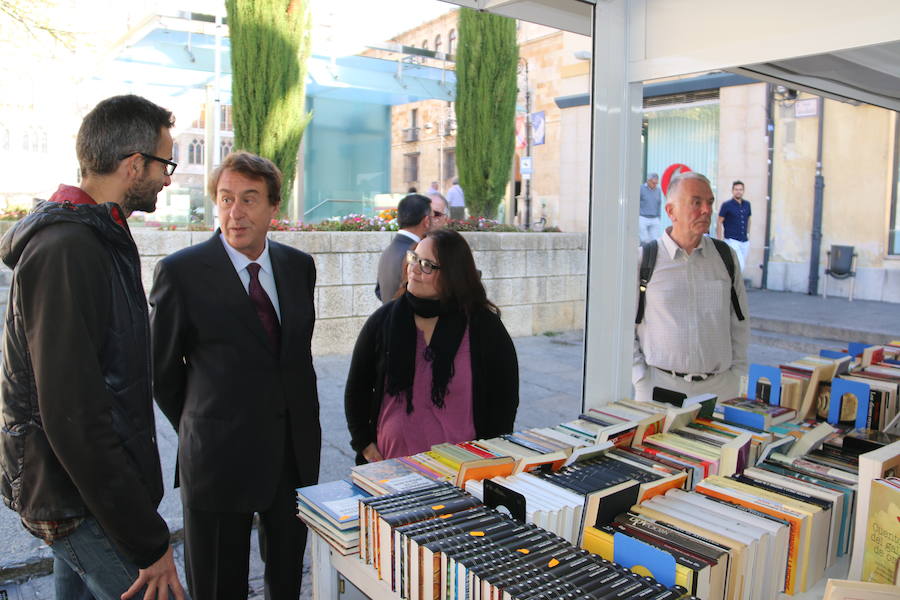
725	252
648	262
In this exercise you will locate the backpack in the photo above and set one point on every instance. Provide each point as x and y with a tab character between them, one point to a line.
648	262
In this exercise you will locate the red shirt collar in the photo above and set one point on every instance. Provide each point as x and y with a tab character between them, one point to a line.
75	195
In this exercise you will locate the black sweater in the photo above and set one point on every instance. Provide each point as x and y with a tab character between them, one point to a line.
495	378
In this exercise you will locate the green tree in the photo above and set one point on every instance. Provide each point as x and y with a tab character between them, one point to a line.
270	44
486	65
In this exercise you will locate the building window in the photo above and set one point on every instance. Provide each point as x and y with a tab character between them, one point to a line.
424	44
200	123
4	139
34	140
451	41
449	163
175	152
225	149
437	43
411	167
894	234
225	118
195	152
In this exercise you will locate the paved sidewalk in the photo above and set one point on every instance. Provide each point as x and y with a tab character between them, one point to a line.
550	372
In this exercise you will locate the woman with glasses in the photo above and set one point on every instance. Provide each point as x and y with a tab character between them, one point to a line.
435	364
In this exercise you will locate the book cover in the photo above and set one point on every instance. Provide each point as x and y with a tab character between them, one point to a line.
878	464
882	547
338	501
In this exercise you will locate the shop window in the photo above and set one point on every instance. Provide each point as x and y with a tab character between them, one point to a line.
411	167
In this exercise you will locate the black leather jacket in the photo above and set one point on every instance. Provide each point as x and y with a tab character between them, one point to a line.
78	433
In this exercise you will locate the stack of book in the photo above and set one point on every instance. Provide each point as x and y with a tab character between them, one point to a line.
442	543
332	510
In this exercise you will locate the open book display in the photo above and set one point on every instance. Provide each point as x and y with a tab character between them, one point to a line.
743	500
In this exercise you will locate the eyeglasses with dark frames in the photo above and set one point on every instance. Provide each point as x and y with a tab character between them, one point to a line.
170	166
425	265
438	214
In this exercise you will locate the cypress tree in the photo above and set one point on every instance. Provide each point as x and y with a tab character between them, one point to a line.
270	44
486	65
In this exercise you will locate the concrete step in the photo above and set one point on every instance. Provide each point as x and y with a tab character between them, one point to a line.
835	330
797	343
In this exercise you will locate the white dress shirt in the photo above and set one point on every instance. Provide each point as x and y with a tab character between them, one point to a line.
266	276
410	235
689	324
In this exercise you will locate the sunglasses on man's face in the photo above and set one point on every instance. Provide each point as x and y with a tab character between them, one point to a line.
425	265
438	214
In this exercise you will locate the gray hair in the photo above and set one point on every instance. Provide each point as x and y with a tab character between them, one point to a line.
456	181
676	181
118	127
652	176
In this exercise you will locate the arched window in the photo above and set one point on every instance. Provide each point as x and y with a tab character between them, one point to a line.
195	152
175	152
42	138
424	44
437	43
225	149
451	41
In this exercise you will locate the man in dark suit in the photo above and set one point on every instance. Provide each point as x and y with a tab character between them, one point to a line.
232	321
414	218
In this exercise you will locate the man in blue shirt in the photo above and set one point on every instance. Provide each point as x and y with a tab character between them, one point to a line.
734	218
651	200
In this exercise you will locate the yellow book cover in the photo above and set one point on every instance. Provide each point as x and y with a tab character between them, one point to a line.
882	549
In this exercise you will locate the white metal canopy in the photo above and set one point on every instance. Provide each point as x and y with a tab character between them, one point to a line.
847	51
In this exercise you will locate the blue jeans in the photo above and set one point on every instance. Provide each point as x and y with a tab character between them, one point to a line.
86	566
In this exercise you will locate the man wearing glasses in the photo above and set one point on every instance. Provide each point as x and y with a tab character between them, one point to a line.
414	214
78	447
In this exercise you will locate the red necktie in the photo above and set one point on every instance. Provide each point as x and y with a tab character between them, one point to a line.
264	307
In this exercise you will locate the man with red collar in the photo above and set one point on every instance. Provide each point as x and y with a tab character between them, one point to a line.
78	448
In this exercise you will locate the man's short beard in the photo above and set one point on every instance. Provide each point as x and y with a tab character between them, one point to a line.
140	196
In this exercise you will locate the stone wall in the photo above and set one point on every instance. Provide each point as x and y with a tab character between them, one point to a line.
538	280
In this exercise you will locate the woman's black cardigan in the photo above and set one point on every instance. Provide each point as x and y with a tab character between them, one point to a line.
495	378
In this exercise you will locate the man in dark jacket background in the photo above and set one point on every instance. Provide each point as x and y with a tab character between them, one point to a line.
414	217
78	445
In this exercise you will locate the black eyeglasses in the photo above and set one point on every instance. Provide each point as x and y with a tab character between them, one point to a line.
438	214
425	265
170	166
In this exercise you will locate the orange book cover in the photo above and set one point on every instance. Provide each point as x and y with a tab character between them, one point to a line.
487	468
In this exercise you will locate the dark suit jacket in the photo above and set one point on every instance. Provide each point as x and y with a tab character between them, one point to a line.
216	378
390	267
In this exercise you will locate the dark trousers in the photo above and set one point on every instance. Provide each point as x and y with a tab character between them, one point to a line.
217	547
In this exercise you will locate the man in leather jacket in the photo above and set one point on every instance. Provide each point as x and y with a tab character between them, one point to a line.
78	441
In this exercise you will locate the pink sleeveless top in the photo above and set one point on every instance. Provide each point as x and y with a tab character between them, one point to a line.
402	434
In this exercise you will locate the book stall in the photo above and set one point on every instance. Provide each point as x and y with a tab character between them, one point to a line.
793	491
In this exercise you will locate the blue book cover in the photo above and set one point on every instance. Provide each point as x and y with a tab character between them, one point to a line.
338	501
